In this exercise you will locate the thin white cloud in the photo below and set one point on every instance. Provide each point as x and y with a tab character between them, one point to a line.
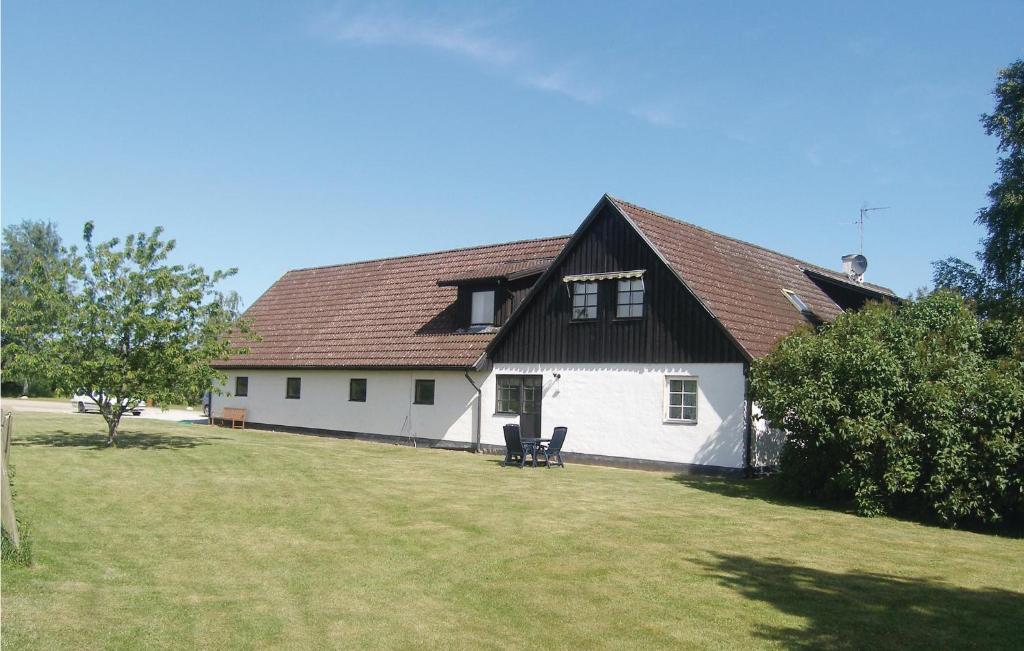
377	25
563	82
474	38
659	116
374	25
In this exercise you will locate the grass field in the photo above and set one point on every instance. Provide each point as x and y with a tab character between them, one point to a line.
194	536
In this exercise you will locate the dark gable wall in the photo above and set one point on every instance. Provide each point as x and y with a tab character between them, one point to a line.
675	327
514	293
844	297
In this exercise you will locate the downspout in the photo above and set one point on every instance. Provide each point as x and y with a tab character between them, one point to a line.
479	412
748	418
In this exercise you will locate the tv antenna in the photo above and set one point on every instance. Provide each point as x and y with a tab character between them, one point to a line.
860	221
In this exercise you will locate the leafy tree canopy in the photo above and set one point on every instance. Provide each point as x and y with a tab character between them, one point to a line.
133	327
30	249
998	287
23	245
915	408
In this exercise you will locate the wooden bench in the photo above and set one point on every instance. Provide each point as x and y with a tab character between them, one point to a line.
236	415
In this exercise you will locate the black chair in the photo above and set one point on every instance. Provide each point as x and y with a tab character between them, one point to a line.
514	449
554	448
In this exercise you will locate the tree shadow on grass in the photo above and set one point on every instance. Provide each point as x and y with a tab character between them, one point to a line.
868	610
765	490
125	439
762	489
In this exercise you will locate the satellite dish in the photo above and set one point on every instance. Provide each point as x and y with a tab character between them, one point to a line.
854	265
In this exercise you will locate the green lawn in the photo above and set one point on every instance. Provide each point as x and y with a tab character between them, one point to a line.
191	535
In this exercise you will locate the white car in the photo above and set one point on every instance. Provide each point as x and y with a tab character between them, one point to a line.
82	403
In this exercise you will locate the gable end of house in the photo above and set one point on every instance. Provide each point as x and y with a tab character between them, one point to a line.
668	323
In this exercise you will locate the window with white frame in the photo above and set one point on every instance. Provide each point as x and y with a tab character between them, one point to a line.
483	308
630	299
584	301
681	399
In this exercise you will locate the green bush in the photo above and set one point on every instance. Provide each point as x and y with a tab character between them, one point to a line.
36	389
913	409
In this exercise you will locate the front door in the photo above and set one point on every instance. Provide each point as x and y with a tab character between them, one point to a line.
529	406
521	395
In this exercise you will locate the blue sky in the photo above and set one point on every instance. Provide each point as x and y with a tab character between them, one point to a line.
269	136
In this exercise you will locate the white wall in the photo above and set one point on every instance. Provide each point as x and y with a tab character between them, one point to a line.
388	409
617	410
610	410
767	441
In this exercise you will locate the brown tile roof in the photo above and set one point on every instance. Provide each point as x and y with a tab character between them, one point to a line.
398	312
740	283
506	270
379	313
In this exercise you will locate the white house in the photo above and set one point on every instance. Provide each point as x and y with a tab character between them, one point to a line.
636	333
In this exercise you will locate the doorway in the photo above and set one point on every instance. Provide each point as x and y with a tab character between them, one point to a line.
522	395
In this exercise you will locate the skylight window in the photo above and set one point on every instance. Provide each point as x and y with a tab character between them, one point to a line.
798	302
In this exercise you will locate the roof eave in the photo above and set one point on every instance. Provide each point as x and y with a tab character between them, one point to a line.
228	366
469	280
814	273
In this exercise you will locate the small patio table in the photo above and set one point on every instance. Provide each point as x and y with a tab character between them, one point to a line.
533	444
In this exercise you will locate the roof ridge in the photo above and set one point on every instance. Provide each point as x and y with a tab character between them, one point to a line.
517	260
708	230
798	261
418	255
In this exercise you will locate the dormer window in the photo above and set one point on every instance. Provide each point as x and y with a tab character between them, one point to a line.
584	301
584	293
798	302
483	308
630	298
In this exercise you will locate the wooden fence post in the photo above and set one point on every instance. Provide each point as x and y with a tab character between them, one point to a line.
8	522
5	426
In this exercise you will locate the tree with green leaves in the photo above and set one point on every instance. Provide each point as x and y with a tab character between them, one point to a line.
134	327
30	249
913	409
998	286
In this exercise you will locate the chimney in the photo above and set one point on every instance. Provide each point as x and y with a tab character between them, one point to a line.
854	266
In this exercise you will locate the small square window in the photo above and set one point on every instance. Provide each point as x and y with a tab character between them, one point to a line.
424	393
357	390
293	388
584	301
241	387
681	399
630	299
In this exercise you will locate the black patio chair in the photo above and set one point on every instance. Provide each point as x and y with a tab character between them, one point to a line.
515	451
554	448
